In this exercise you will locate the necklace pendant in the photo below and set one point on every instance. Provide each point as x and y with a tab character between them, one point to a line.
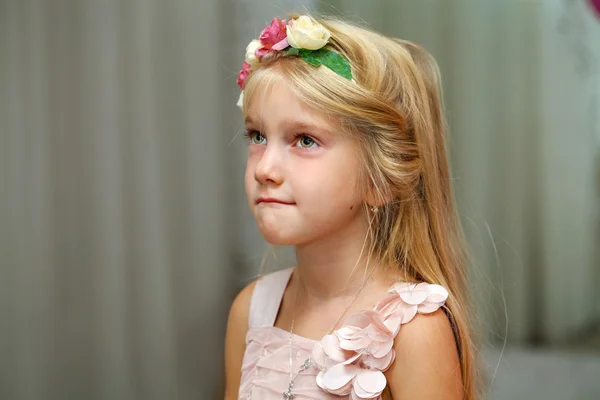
288	395
306	364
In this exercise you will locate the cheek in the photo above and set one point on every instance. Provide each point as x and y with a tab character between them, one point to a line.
344	191
336	188
343	178
249	176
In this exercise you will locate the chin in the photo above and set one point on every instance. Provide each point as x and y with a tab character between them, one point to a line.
275	229
280	236
278	239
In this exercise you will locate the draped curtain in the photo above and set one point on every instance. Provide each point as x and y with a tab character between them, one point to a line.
120	194
124	229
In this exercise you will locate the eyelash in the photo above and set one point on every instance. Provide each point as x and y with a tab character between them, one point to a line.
249	134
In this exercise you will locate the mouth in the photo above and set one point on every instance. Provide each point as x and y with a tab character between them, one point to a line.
271	200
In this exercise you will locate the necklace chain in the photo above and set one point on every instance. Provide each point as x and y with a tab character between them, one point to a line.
288	394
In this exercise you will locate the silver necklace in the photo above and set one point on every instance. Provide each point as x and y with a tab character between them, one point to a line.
289	394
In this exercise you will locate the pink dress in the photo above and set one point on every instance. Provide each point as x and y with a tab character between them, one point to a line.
347	364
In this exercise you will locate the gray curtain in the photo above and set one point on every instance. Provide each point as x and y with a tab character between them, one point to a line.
121	195
111	282
124	230
521	87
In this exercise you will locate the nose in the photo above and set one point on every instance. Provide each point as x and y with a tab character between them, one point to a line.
268	168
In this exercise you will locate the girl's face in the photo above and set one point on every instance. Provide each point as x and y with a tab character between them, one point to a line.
301	175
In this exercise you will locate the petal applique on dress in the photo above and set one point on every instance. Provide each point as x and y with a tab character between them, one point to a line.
338	379
352	360
369	384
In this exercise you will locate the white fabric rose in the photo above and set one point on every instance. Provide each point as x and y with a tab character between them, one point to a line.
251	57
304	33
240	102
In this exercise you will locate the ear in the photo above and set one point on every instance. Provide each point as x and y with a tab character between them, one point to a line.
376	197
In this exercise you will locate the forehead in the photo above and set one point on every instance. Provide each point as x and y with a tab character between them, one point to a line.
273	103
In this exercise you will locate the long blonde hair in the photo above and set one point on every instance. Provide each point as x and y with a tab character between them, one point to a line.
394	111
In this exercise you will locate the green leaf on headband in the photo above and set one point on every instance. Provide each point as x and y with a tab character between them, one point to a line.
291	51
332	60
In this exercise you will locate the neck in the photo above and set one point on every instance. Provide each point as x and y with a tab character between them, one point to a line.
336	265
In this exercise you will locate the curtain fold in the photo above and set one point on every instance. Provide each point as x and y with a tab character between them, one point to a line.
125	231
114	253
124	219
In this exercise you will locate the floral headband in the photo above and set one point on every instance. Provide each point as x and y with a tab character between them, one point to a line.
302	37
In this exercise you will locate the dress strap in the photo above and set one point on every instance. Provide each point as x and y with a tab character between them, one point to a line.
266	298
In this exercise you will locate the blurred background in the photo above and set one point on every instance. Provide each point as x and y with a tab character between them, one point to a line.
124	229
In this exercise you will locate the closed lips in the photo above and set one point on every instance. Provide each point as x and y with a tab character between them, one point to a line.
272	200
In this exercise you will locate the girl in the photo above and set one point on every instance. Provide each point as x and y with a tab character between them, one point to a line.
347	162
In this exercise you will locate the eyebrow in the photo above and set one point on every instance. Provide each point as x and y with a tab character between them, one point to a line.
296	123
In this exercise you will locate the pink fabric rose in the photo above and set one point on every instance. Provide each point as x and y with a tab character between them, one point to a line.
595	4
273	37
241	80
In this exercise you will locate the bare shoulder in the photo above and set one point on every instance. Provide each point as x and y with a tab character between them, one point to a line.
427	364
238	313
235	340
